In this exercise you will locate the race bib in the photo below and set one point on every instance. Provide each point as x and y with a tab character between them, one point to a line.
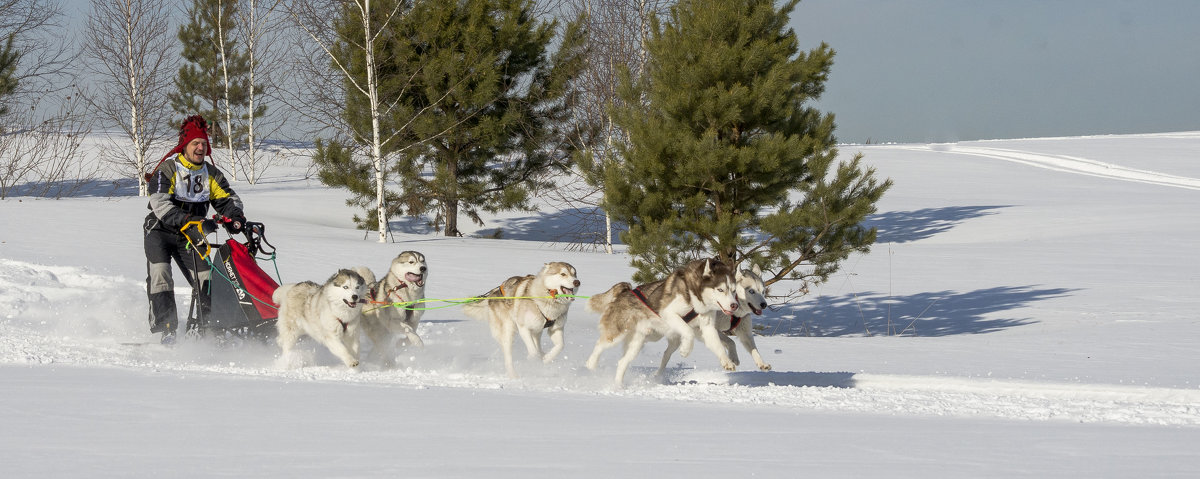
192	185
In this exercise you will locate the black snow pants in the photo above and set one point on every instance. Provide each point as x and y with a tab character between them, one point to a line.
162	247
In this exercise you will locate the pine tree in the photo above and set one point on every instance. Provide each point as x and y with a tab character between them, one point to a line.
477	98
200	85
9	56
726	159
503	106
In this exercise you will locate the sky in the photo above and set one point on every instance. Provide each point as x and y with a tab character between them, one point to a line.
949	70
952	70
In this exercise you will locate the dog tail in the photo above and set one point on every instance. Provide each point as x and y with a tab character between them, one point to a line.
365	272
280	293
478	309
600	302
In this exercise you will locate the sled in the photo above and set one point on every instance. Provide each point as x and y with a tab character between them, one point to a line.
240	291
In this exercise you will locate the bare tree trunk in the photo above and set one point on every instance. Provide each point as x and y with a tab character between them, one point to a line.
260	28
376	139
251	43
228	107
135	117
307	16
617	31
131	64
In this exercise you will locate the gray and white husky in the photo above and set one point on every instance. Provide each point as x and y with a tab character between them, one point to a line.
396	299
752	300
526	306
716	327
330	313
660	309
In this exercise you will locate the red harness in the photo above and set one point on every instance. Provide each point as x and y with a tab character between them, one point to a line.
733	324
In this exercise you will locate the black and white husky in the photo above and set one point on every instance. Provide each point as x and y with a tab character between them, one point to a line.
661	309
330	313
527	305
396	308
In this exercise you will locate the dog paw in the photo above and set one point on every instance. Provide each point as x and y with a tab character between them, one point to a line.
289	361
764	367
685	350
729	365
591	365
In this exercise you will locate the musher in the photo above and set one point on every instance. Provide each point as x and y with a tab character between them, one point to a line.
181	188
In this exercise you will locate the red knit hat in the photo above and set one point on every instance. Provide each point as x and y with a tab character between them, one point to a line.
192	128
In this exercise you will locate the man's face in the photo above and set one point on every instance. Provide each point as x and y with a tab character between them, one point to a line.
195	150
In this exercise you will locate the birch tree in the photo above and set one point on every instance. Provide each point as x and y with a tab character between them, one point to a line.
318	22
215	80
130	59
617	32
259	22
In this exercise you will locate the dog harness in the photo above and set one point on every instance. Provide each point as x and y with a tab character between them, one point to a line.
734	322
388	293
549	322
637	292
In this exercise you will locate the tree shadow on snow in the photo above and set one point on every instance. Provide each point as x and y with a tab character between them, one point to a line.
575	225
930	314
757	378
791	378
906	226
85	188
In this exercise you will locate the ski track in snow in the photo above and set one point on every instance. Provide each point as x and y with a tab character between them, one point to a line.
44	325
1062	163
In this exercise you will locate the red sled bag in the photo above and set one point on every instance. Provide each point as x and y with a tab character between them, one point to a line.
241	293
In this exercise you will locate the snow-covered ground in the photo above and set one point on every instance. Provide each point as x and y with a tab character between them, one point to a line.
1031	309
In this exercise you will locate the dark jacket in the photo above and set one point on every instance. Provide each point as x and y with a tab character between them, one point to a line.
180	194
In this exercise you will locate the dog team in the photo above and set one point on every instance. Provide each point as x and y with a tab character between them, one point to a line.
704	298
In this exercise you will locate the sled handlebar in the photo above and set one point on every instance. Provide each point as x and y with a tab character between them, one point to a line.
198	238
255	234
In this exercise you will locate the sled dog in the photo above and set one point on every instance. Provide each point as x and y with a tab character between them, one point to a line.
384	324
716	327
330	313
752	300
660	309
526	306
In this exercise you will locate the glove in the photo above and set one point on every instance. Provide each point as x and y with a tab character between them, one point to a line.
198	235
235	224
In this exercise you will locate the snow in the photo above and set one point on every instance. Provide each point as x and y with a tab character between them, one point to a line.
1030	310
